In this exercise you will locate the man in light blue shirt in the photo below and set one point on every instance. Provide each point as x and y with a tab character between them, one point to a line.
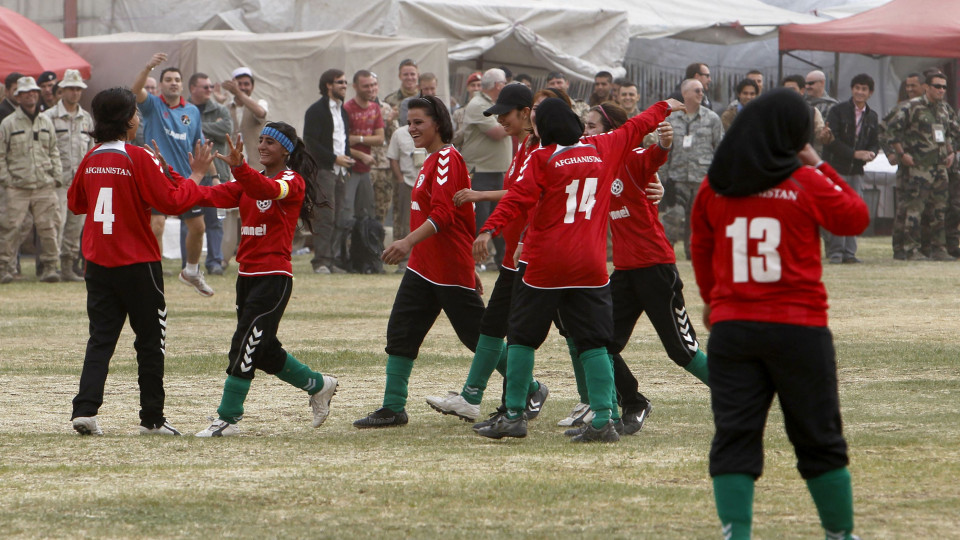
175	125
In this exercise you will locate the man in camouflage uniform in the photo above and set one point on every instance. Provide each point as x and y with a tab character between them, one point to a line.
30	169
912	87
697	133
556	79
74	128
922	135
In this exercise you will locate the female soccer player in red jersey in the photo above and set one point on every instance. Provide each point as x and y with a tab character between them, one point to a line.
513	113
645	277
115	186
565	252
440	274
756	256
270	204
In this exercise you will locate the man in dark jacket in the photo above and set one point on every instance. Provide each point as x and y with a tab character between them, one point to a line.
854	128
326	129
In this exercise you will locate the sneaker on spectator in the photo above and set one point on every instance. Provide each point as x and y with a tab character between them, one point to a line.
320	402
162	429
322	269
197	282
215	270
576	415
453	403
219	428
87	425
334	269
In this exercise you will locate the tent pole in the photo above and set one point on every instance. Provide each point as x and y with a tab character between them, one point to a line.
70	18
834	84
779	70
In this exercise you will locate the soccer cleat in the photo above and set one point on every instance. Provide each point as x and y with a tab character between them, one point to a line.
320	402
87	425
505	427
576	415
197	282
382	417
494	416
219	428
634	418
163	429
607	433
618	426
535	402
453	403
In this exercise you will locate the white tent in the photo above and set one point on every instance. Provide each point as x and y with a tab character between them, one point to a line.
286	66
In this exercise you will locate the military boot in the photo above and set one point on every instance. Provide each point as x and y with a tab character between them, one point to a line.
66	270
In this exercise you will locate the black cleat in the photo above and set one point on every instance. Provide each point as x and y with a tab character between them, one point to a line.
633	419
494	416
504	427
382	417
535	402
607	433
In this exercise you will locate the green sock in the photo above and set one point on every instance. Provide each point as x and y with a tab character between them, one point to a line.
231	403
833	495
578	372
301	376
519	375
599	375
398	375
502	363
534	386
734	496
698	367
485	360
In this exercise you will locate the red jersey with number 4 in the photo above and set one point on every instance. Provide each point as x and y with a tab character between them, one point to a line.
757	258
513	230
639	240
446	258
566	242
115	185
269	209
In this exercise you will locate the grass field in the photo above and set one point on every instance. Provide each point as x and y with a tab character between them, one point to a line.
895	327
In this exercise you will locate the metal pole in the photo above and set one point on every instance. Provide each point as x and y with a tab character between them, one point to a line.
70	23
834	85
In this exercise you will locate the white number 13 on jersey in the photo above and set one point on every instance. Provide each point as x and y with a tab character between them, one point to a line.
765	266
586	201
103	211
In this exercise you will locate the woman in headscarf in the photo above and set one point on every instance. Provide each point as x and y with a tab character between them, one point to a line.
756	256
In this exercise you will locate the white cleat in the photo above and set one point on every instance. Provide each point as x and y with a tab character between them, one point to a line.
165	429
320	402
87	425
453	403
197	282
577	415
219	428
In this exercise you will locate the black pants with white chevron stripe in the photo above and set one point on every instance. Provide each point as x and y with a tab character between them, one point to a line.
261	301
112	294
658	292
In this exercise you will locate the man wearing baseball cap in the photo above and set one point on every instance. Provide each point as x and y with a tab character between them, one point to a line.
30	168
74	132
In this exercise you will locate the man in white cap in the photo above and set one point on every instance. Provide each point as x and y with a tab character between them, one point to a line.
74	129
249	115
30	168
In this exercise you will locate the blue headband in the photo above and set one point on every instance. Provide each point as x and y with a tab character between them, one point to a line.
279	137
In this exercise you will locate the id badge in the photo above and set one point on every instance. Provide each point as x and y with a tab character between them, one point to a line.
938	133
688	140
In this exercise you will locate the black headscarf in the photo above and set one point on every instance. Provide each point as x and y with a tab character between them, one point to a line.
557	123
760	149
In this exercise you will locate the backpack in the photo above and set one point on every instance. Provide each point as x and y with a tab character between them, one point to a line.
366	246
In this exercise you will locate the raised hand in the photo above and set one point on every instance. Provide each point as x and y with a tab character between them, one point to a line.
156	154
201	158
235	156
157	59
676	105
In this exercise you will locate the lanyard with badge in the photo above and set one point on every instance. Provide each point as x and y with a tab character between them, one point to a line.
938	134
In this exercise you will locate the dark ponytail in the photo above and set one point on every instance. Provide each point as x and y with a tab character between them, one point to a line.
301	162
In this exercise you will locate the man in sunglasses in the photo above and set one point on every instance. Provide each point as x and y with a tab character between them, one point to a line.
924	134
815	91
216	125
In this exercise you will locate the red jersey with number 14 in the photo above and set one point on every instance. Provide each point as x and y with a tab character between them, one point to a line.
115	186
446	258
269	209
757	258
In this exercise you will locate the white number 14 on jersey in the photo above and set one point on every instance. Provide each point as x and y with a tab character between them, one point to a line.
586	201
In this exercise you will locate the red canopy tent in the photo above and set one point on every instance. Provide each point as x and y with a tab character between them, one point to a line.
929	28
26	47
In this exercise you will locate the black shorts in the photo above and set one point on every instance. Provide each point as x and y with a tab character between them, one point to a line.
749	362
195	212
155	212
261	301
658	292
417	306
585	313
497	315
